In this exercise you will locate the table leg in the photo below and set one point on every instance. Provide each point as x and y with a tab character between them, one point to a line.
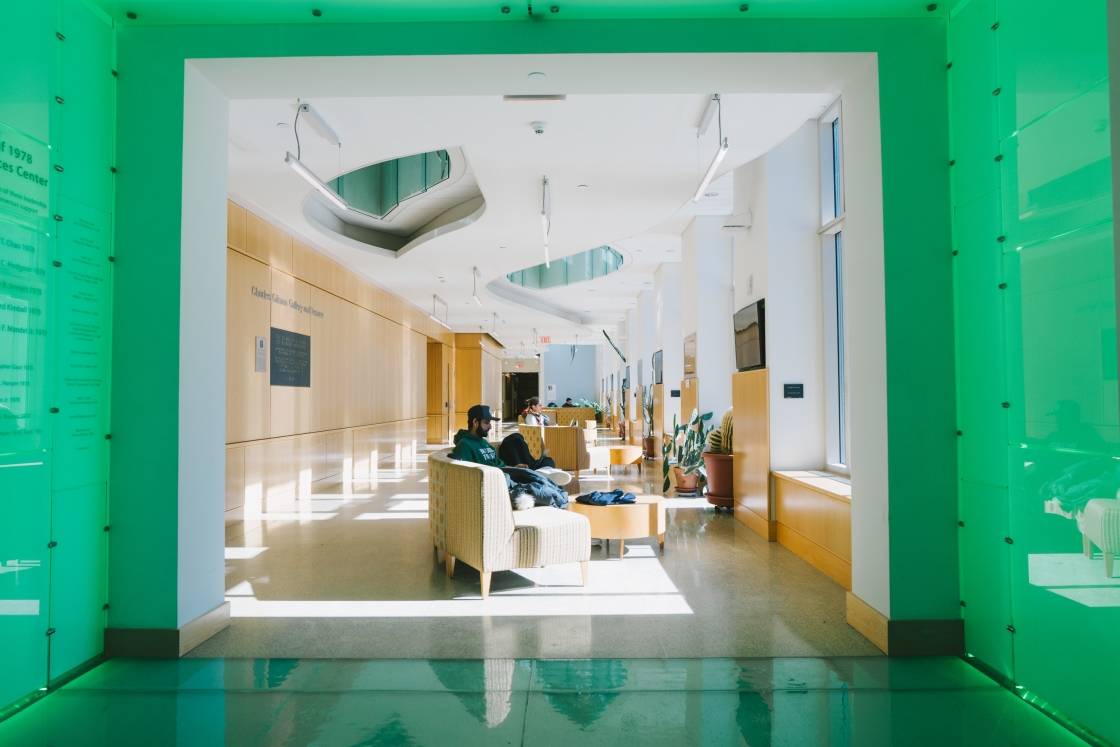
661	541
622	550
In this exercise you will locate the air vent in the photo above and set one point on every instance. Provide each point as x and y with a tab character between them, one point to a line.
537	97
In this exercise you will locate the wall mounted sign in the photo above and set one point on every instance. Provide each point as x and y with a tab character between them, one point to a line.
674	392
545	340
262	355
291	359
794	391
25	193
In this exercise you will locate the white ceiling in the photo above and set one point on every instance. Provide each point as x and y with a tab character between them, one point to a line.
627	130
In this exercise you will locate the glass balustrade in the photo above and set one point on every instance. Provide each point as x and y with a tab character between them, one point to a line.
378	188
594	263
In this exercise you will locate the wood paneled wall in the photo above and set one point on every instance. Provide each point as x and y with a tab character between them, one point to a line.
751	451
477	375
815	522
440	405
690	398
369	380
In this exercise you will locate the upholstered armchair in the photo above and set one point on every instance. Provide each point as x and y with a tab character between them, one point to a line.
1101	527
568	446
470	518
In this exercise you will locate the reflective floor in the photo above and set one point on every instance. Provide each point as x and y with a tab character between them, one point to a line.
346	569
809	702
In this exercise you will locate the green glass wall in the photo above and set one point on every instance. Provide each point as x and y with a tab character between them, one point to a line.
575	268
378	188
1036	345
56	133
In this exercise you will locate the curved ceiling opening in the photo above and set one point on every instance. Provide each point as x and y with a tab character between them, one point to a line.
575	268
379	188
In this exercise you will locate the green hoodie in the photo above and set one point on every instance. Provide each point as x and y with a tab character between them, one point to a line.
472	448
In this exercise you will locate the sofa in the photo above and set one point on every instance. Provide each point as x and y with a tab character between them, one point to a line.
470	518
565	415
568	446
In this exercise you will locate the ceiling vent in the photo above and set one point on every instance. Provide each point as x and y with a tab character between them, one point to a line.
736	224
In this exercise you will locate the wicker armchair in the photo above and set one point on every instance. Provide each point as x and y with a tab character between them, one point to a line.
470	518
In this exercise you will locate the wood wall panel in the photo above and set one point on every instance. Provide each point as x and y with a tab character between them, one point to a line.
235	226
468	381
290	405
659	425
267	243
690	398
247	317
751	448
815	526
328	362
492	381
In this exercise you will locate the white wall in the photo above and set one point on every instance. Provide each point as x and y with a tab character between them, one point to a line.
706	259
751	248
866	339
794	313
667	333
202	349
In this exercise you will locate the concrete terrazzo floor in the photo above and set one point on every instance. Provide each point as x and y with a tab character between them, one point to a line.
348	571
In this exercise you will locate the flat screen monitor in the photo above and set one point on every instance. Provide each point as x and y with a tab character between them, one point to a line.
657	368
750	336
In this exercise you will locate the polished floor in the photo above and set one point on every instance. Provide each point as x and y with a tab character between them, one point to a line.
841	702
346	570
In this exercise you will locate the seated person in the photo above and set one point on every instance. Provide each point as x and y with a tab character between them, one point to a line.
568	403
533	415
471	446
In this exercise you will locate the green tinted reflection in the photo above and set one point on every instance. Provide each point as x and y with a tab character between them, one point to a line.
378	188
594	263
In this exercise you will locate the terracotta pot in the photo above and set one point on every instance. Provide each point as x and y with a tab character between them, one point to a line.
648	448
721	482
686	484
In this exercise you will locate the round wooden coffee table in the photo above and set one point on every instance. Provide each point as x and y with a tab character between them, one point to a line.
625	455
643	518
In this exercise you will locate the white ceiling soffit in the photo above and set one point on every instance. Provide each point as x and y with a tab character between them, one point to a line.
627	130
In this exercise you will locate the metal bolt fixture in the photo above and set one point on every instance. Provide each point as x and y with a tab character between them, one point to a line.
112	259
112	169
60	100
949	66
505	9
960	433
1008	540
130	16
999	157
108	436
953	162
1003	286
954	252
58	218
963	604
317	13
931	7
56	263
50	631
1001	239
1010	628
995	25
106	529
54	411
58	168
996	92
114	72
105	606
744	8
960	523
554	9
61	38
51	544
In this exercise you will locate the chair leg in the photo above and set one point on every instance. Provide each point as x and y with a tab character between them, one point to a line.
1086	546
583	570
661	540
621	548
1108	561
485	578
450	561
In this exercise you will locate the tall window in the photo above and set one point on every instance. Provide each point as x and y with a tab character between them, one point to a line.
832	271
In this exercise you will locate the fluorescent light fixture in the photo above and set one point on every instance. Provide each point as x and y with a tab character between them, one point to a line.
711	171
475	275
536	97
436	299
546	218
316	182
709	115
319	124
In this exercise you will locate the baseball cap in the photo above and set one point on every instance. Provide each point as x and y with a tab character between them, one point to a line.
479	412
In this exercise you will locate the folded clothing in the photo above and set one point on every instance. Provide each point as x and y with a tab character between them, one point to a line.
595	498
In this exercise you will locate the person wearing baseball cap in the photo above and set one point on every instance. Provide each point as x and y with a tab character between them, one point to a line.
470	442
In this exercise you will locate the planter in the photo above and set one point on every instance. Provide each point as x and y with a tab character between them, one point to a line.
721	483
622	429
686	484
648	447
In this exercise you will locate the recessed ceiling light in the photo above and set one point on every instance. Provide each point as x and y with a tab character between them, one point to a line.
537	76
283	125
711	194
582	186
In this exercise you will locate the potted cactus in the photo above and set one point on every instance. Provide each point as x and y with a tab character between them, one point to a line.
648	445
718	464
688	445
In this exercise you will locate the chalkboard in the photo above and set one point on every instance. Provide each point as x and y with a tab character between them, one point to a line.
291	359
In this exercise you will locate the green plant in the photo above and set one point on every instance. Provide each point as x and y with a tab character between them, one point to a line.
598	408
647	408
688	442
720	438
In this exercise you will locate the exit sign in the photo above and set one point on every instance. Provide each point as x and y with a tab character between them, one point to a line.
545	340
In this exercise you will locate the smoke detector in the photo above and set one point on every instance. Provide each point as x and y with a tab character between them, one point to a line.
538	127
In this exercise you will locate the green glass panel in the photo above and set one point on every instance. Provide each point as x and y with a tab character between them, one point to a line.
24	573
1062	329
554	275
981	384
85	146
25	392
975	141
378	188
1048	54
410	176
1065	610
29	58
985	574
78	576
82	347
1057	172
574	268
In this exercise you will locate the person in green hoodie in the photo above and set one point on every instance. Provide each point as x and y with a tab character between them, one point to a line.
470	442
471	445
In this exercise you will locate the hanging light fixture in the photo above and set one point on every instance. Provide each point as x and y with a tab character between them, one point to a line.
436	299
546	217
475	275
723	146
315	181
